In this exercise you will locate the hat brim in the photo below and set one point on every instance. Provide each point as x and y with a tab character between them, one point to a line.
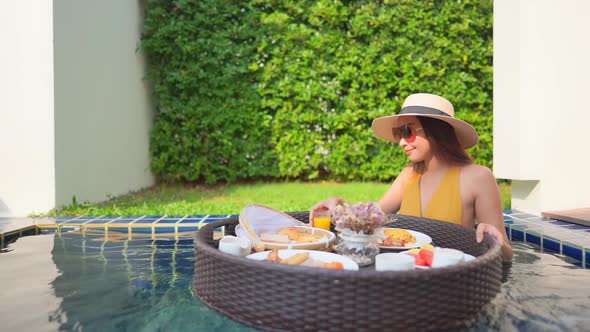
466	134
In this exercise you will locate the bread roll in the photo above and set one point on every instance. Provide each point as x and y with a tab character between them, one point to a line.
291	232
296	259
271	237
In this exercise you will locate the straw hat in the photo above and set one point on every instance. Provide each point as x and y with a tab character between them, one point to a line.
429	106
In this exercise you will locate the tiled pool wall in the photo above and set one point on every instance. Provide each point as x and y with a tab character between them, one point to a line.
550	235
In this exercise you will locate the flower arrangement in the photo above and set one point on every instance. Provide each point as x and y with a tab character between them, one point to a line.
362	218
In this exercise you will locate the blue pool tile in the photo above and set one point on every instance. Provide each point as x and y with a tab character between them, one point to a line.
533	238
146	221
168	221
161	230
95	222
587	254
577	263
69	229
559	222
119	229
88	217
524	226
573	252
517	235
73	221
141	230
512	211
165	243
191	221
188	228
207	220
217	216
196	216
551	245
523	215
64	218
577	227
536	219
122	221
48	230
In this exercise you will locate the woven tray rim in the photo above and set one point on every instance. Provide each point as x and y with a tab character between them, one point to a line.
479	261
485	265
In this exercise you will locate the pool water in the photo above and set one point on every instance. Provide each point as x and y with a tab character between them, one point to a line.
117	284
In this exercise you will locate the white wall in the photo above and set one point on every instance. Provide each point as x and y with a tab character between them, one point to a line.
541	106
103	112
75	112
26	107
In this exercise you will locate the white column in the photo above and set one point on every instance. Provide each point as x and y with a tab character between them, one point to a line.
541	108
27	165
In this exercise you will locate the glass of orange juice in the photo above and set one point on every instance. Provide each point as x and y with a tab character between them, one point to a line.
322	219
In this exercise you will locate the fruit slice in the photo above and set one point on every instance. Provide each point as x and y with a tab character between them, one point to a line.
334	265
427	256
418	259
427	246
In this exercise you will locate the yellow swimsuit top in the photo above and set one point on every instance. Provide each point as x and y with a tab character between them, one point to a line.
445	203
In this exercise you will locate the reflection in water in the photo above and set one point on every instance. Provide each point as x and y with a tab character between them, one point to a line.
542	293
26	295
122	284
130	285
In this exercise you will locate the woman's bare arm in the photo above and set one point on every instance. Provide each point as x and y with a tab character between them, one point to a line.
488	209
392	199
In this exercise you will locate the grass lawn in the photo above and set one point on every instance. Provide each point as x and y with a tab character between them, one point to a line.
181	199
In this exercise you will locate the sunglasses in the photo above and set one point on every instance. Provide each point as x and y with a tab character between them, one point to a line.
406	132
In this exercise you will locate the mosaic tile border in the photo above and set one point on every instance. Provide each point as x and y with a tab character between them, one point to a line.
550	235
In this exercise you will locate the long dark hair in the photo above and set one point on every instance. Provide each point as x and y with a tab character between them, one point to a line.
444	143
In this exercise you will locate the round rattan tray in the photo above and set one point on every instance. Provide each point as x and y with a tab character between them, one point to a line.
298	298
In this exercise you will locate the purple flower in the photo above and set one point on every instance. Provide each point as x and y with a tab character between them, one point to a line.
360	217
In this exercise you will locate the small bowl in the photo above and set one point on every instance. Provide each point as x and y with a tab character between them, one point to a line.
446	257
394	262
234	245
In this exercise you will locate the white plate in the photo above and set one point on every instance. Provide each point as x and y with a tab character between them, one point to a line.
323	256
294	245
421	239
466	258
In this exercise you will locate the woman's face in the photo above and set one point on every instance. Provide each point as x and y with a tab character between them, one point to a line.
415	144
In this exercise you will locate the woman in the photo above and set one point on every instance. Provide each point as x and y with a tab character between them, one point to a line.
441	181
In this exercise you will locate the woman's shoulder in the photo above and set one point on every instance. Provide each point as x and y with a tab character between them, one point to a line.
476	173
405	175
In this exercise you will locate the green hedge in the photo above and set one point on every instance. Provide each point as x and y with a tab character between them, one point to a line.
290	88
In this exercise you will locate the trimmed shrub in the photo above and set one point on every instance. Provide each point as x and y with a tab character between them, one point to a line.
310	77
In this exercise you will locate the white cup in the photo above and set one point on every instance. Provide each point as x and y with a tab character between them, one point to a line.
234	245
446	257
394	262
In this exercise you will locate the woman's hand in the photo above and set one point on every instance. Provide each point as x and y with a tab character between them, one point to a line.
499	236
327	204
489	229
